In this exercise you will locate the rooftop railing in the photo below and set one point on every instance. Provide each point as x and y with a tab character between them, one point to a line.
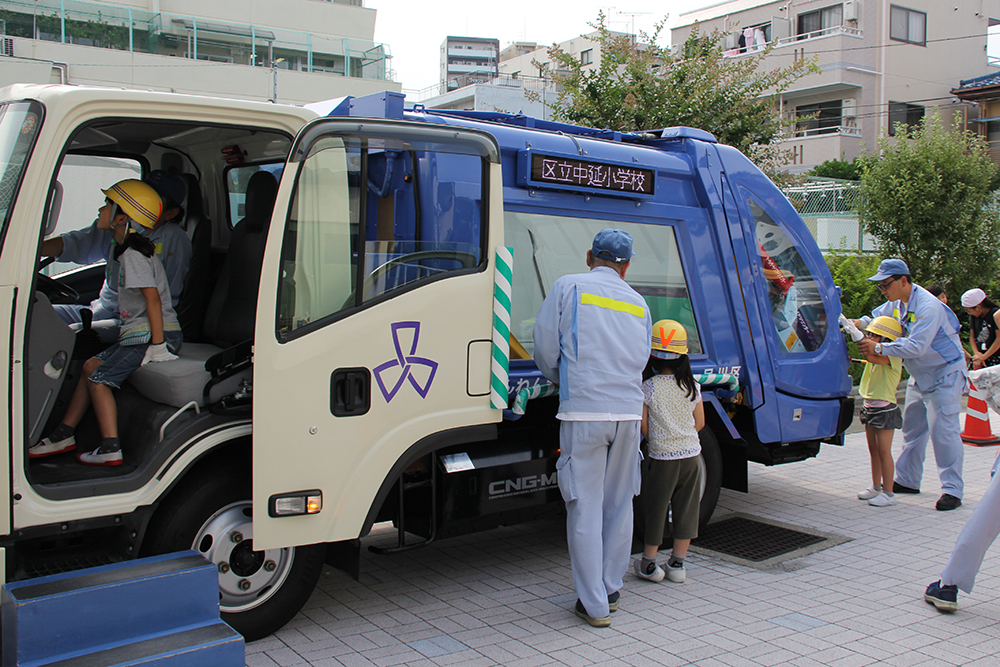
127	29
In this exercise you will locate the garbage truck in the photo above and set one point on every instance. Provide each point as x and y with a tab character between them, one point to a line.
357	324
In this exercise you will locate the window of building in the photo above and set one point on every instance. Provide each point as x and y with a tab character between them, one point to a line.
587	57
993	43
820	118
907	25
907	114
820	19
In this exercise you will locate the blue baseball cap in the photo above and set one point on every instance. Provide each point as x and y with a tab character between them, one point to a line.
889	268
168	186
613	244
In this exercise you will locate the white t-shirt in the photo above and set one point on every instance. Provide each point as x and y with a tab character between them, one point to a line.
671	433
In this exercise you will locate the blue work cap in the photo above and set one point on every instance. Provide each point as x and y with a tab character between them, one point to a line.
168	186
613	244
889	268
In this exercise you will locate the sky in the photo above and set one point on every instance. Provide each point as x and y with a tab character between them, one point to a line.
414	34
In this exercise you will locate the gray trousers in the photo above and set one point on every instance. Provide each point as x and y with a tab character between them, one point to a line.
976	537
598	476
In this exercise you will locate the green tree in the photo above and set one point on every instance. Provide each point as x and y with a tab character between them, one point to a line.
842	169
640	85
926	197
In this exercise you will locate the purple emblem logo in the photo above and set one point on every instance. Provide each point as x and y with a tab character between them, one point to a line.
407	364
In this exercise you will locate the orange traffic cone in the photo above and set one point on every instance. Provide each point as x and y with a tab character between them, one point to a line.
977	422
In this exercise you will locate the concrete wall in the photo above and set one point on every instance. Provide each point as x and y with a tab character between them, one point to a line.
33	63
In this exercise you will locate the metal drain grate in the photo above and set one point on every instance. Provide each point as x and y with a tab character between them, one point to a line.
743	538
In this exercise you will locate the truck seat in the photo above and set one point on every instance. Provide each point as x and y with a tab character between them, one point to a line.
231	311
198	282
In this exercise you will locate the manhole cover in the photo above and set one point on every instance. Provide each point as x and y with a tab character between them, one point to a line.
754	541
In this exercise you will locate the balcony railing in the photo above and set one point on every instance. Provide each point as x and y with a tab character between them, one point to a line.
796	39
126	29
842	130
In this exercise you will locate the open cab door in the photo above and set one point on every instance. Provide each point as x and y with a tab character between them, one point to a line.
374	320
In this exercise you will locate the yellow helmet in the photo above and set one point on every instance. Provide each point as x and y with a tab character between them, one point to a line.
885	326
670	340
138	200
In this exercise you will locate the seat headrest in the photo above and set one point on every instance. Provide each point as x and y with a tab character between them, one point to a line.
193	207
262	189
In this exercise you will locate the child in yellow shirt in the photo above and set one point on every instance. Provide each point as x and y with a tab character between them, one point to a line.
880	414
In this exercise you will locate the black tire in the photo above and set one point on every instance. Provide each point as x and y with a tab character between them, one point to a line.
711	460
208	507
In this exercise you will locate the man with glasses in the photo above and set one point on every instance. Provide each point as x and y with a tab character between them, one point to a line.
933	356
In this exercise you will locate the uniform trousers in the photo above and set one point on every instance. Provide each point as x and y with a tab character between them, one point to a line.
933	415
598	476
976	537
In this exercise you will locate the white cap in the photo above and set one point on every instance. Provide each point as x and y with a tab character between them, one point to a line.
973	298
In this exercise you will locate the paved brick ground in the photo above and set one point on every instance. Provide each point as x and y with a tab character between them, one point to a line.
504	597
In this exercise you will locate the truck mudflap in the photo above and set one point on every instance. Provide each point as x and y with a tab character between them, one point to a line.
844	421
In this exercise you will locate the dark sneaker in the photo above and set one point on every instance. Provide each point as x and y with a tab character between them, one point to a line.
613	601
899	488
580	611
945	598
48	448
947	502
101	457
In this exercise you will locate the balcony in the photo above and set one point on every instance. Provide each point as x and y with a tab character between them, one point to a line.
125	29
799	40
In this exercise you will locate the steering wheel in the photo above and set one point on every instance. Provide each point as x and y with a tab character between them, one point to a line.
466	259
53	288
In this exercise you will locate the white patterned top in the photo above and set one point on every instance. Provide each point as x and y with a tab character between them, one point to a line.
671	433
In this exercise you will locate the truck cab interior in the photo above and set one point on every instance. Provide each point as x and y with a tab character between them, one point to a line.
231	175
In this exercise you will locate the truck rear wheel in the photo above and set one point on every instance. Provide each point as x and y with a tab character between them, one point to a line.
259	591
711	485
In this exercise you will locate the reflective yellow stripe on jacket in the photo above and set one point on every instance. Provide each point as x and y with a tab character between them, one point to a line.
612	304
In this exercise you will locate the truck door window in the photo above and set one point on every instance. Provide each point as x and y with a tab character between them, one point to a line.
82	177
549	246
372	216
19	124
796	305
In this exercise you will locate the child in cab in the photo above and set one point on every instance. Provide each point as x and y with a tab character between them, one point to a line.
672	415
148	331
880	414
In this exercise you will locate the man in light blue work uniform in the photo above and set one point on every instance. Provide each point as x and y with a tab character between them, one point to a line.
592	339
86	246
932	354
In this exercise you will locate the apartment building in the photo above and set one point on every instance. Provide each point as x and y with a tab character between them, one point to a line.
295	51
468	60
531	60
882	62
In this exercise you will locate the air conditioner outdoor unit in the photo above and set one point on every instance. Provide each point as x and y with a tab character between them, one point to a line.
849	108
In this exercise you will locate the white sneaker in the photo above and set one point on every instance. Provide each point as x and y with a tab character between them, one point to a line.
100	457
869	493
48	448
883	500
676	574
656	575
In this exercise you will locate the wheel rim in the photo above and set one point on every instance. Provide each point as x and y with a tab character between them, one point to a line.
247	578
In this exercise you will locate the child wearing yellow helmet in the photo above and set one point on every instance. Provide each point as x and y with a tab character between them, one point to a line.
672	415
148	330
880	414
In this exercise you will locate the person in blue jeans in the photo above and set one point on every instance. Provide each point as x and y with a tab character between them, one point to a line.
148	328
933	355
592	339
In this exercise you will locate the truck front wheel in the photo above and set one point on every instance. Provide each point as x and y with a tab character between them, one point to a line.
711	485
259	591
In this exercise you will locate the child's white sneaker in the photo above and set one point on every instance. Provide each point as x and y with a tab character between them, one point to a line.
869	493
654	573
676	574
48	448
883	500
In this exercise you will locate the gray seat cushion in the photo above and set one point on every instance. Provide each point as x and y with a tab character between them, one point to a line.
183	380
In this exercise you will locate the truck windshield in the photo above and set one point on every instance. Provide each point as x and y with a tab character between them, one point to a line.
19	122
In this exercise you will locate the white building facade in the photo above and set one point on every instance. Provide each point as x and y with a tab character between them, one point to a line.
468	60
881	61
294	51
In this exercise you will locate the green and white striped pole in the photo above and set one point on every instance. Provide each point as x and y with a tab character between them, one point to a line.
502	279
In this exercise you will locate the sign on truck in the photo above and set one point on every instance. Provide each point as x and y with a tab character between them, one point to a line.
341	346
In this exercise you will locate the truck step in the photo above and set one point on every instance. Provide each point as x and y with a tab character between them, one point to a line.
65	615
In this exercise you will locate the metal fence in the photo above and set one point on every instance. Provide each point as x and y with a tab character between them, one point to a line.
128	29
829	208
